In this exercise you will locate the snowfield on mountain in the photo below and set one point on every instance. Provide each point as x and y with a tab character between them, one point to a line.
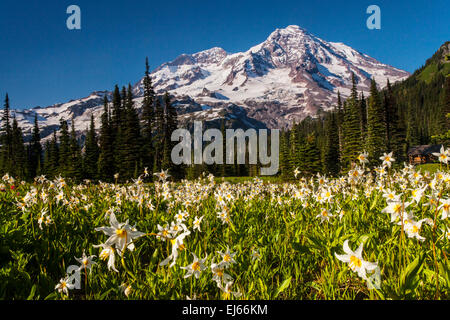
290	75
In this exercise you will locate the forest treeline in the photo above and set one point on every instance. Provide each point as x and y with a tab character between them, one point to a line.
408	113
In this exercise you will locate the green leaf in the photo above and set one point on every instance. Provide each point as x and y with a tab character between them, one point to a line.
32	292
283	286
409	275
374	203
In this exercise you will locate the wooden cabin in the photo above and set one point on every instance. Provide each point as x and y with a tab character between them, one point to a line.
423	154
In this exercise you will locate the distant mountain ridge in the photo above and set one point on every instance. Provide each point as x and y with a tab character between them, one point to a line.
290	75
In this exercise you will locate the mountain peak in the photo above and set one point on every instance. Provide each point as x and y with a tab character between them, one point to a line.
290	75
213	55
295	28
291	30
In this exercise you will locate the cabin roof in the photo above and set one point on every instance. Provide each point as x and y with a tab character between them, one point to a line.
424	150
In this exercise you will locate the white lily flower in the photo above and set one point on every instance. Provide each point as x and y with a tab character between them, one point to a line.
120	234
108	253
355	260
64	286
196	267
86	261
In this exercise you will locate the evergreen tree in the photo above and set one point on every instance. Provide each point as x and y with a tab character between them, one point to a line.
64	150
363	117
116	110
35	158
92	152
18	155
119	128
294	148
148	121
131	139
159	135
352	144
75	169
285	167
171	124
340	122
395	126
47	157
312	155
106	168
6	139
376	128
446	106
331	152
53	165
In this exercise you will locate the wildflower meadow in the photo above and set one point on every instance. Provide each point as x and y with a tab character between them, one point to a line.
374	233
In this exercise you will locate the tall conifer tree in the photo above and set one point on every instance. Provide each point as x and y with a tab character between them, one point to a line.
351	129
376	128
6	139
35	160
331	152
91	153
148	121
106	168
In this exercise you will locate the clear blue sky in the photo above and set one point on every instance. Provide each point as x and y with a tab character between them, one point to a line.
42	62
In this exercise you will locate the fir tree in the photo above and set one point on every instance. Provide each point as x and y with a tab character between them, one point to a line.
295	160
285	167
106	168
171	124
159	135
64	150
331	152
53	165
75	169
395	126
340	122
116	110
131	139
47	158
6	139
92	152
446	106
351	129
35	158
18	155
312	155
363	117
376	128
148	121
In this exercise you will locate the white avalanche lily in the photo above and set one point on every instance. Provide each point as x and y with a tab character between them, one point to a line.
86	261
177	244
355	260
120	234
445	208
64	286
387	159
197	222
196	267
442	155
412	227
108	253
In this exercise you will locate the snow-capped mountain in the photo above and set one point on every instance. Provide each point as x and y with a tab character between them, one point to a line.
291	75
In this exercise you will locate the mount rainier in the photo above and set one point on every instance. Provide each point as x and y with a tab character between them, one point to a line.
291	75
